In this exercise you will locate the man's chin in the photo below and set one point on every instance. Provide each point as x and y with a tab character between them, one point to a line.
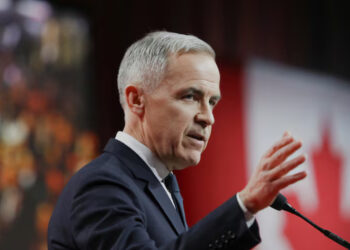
189	160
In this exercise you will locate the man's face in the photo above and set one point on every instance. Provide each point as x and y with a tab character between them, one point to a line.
179	112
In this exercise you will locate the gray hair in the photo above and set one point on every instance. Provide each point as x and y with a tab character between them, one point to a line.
146	60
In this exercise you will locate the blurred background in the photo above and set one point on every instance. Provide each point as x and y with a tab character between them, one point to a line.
284	65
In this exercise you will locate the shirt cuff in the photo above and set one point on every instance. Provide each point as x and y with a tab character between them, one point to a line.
249	217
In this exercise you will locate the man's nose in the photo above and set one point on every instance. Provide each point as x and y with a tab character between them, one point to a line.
205	116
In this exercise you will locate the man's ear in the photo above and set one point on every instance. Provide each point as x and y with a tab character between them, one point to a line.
134	99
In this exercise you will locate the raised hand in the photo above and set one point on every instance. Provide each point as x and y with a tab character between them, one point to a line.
271	174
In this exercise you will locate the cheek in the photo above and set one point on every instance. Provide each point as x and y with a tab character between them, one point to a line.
179	117
169	123
209	133
177	128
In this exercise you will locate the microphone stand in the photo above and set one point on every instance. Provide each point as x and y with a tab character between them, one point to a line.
281	203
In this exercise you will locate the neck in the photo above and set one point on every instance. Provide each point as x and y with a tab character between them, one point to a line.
135	132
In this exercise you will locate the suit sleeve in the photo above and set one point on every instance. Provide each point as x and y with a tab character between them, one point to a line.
226	228
106	214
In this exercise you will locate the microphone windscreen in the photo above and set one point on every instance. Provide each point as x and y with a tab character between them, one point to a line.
279	202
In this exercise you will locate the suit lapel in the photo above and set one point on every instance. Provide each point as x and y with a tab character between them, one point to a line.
164	202
182	211
141	171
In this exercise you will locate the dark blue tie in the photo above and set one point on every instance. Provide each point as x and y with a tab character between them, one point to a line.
171	184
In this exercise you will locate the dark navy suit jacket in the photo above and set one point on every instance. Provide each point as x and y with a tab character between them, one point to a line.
116	202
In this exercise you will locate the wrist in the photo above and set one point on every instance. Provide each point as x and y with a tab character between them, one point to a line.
248	204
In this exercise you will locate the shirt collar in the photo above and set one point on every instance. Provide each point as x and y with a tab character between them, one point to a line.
158	168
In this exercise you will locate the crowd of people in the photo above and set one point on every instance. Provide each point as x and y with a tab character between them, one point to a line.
44	138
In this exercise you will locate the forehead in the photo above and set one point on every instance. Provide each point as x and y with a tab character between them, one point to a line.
192	69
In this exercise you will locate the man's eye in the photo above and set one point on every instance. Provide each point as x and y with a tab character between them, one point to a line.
212	103
188	97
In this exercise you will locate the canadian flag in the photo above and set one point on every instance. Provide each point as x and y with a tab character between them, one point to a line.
260	102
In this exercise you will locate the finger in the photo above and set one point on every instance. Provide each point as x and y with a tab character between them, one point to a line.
282	154
286	167
286	133
281	143
288	180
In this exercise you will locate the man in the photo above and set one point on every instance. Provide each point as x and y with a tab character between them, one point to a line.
168	86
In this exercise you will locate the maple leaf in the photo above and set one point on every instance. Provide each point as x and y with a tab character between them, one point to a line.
328	168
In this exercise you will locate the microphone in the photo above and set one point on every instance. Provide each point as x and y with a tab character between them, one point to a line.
281	203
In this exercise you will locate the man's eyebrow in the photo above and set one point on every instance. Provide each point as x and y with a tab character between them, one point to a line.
216	97
195	91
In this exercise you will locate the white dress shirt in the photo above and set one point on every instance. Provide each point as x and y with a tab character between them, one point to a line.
160	171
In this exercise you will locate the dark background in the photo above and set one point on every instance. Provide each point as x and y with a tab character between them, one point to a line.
313	35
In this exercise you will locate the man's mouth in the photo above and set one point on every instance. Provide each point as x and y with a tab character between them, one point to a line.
196	136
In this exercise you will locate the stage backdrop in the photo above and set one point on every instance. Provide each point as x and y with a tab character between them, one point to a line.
260	101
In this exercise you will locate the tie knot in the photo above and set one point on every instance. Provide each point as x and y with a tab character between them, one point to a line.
171	183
